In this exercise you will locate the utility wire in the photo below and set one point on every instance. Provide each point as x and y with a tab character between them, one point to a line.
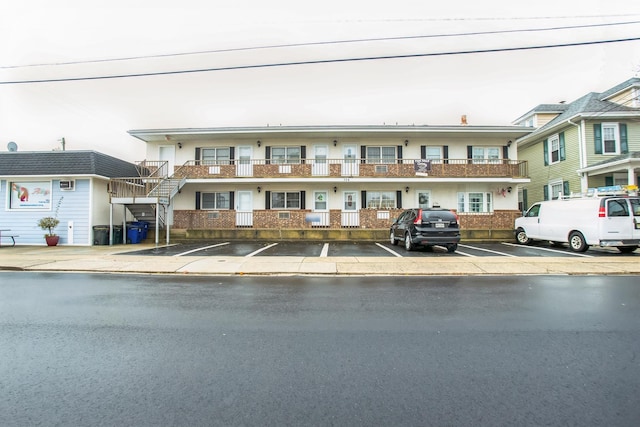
315	62
324	43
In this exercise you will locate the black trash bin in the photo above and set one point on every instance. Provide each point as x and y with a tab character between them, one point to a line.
117	234
100	234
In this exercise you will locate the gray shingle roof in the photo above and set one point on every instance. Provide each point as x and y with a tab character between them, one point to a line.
61	163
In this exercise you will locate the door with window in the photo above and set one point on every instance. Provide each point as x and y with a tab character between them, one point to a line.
619	220
321	208
168	153
350	166
244	167
320	164
424	199
244	209
350	215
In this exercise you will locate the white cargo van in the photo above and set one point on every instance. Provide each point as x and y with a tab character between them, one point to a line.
583	222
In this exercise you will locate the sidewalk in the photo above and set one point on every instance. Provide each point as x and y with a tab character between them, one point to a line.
114	259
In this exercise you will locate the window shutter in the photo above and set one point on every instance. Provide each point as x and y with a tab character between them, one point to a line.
303	154
505	152
363	154
608	181
565	188
267	200
546	192
232	154
399	199
232	200
197	156
399	154
624	145
267	155
469	152
545	152
363	199
563	153
197	200
423	151
597	137
525	201
303	203
445	154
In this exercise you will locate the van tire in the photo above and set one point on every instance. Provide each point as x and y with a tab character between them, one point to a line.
627	249
521	237
577	242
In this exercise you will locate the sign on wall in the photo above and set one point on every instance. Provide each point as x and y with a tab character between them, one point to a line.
30	195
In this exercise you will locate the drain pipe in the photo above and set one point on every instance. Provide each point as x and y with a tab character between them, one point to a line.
582	152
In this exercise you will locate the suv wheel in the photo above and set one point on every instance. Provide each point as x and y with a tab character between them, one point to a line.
452	248
392	239
577	243
408	243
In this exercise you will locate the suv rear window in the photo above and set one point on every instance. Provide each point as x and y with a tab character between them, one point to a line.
443	214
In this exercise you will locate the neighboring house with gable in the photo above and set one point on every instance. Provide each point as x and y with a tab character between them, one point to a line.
70	184
591	142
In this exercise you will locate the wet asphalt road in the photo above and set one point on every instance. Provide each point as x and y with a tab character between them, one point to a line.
83	349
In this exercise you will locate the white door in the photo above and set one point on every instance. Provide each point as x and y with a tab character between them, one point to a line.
350	216
619	221
320	165
321	208
244	209
168	153
244	167
350	165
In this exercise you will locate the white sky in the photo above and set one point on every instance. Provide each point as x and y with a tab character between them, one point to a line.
490	88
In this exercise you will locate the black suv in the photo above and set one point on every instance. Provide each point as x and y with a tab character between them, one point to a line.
426	227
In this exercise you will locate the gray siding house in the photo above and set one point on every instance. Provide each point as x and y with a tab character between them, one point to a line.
72	185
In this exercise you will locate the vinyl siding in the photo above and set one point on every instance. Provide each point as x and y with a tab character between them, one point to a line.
633	139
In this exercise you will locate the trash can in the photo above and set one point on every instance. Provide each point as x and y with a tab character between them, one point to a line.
100	234
134	234
117	234
144	227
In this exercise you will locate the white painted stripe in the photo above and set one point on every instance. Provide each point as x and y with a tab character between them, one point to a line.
487	250
548	250
325	251
201	249
260	250
391	251
466	254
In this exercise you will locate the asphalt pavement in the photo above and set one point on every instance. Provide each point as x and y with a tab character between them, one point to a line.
128	259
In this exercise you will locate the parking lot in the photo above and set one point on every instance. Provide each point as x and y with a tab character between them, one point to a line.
369	249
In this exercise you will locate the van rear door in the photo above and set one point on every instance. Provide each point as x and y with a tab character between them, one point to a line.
635	210
618	222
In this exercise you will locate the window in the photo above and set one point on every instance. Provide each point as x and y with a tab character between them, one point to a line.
424	199
216	200
554	149
433	153
486	154
555	189
30	195
381	199
285	200
610	138
216	156
617	208
281	155
381	154
475	202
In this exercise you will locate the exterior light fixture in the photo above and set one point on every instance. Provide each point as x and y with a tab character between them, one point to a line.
259	143
406	189
406	142
335	142
259	189
509	189
335	189
179	145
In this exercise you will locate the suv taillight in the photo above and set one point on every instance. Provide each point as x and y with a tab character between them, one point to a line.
455	215
418	219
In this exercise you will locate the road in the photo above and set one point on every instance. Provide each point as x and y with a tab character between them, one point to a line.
90	349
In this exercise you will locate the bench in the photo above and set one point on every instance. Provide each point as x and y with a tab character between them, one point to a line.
8	236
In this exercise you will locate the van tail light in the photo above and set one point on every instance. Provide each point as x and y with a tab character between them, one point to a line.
418	219
601	212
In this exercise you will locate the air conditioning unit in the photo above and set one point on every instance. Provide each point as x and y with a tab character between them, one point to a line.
67	185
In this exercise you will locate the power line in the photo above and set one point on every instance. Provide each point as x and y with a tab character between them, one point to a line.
330	42
316	62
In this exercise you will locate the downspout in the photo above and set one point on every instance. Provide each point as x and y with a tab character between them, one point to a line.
582	153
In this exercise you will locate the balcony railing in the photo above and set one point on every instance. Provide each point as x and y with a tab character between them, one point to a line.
400	168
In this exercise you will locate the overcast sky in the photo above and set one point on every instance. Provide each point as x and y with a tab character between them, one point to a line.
44	41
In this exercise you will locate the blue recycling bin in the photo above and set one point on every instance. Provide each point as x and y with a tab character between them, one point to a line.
144	227
134	234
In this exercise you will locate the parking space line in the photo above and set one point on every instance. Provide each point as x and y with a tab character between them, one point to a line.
391	251
201	249
466	254
260	250
325	251
487	250
548	250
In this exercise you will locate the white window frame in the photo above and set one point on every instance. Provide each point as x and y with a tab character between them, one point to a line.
288	199
381	157
465	202
616	138
486	154
430	153
381	199
211	156
555	189
289	155
215	202
554	140
424	198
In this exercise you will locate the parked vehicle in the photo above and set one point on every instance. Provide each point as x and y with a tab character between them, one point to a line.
426	227
610	221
